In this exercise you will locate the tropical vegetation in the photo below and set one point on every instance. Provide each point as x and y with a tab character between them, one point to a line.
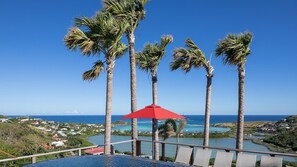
19	140
192	57
130	12
149	60
285	139
172	128
101	34
282	134
234	50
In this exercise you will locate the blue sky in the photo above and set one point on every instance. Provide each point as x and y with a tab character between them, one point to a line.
39	75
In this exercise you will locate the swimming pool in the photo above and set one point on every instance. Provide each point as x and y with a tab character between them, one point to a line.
104	161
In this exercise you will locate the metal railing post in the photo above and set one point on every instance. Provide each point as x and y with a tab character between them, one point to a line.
79	152
138	147
33	160
112	151
163	152
192	156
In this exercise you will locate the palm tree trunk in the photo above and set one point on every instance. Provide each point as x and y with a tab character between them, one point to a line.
240	118
207	109
155	138
177	142
107	136
155	122
154	89
131	39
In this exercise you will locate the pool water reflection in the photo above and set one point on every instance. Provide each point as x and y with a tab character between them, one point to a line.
104	161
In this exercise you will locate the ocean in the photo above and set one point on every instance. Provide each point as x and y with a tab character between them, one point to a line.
194	122
191	119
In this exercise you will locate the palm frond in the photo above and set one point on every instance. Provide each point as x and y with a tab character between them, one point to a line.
171	122
168	129
188	57
129	11
181	126
78	39
181	59
84	21
165	40
94	72
99	34
152	54
120	50
142	61
234	49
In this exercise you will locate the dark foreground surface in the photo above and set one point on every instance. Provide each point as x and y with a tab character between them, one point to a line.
104	161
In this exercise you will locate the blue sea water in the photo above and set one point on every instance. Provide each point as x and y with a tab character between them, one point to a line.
191	119
194	122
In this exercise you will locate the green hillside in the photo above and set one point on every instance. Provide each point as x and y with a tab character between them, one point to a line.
21	140
285	135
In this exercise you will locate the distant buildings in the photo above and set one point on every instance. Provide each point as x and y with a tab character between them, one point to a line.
3	120
35	123
57	143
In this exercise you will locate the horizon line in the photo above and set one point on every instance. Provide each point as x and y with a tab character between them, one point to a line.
125	114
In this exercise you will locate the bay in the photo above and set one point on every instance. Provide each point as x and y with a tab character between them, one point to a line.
146	147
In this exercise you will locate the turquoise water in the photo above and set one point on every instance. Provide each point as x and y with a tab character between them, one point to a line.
194	122
147	127
191	119
146	147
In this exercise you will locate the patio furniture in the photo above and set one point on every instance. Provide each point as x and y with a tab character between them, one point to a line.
104	161
223	159
202	157
271	161
184	155
246	160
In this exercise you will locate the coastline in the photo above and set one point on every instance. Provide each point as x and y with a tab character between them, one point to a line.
250	129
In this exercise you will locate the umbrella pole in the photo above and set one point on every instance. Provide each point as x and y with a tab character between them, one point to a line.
155	136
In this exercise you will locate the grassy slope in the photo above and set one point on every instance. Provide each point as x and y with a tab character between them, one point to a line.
20	140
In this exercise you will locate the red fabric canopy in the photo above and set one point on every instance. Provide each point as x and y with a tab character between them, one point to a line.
154	112
95	151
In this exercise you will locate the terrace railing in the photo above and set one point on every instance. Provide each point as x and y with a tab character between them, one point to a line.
138	150
78	150
163	149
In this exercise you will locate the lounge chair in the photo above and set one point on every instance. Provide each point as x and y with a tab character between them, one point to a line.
246	160
184	155
201	158
271	161
223	159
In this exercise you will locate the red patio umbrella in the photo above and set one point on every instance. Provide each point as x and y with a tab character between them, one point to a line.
154	112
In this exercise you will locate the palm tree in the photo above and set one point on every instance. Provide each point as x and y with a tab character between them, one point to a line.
93	36
192	56
170	128
234	49
148	60
131	12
